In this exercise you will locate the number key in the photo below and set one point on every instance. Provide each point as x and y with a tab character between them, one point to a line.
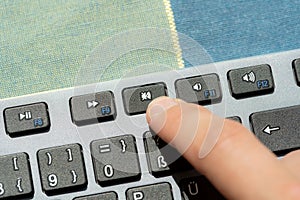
115	160
15	177
62	169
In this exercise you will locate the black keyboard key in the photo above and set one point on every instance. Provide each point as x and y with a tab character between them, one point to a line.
296	67
201	90
199	187
93	108
251	81
278	129
115	160
137	99
103	196
27	119
62	169
163	159
161	191
235	118
15	177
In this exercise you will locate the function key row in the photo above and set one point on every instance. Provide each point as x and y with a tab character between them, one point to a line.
100	107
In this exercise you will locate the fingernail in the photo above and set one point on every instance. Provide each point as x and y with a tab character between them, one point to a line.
158	113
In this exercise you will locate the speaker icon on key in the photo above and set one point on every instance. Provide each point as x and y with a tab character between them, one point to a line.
249	77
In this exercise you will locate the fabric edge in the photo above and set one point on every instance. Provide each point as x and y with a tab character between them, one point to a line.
174	34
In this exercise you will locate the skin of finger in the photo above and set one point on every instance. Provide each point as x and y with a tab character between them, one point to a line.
238	165
292	162
182	123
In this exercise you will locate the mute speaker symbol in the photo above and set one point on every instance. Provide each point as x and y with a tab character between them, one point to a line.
249	77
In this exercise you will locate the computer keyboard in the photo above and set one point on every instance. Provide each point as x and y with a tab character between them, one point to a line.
93	142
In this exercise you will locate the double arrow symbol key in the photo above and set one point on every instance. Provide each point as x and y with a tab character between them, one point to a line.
92	104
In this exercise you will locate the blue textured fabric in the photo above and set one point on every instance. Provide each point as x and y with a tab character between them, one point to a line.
239	28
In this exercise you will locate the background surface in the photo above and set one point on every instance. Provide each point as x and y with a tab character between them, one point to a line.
44	45
230	29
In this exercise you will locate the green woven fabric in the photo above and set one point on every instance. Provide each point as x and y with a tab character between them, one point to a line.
51	44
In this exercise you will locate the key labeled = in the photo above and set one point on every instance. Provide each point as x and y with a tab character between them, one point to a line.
105	148
115	160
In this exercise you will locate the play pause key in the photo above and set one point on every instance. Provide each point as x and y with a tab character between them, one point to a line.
27	119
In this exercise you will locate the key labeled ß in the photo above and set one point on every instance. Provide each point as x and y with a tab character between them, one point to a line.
162	158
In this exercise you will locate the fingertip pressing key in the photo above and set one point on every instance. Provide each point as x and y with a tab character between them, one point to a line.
227	153
178	123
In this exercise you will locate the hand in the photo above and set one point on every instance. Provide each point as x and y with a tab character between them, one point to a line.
224	151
